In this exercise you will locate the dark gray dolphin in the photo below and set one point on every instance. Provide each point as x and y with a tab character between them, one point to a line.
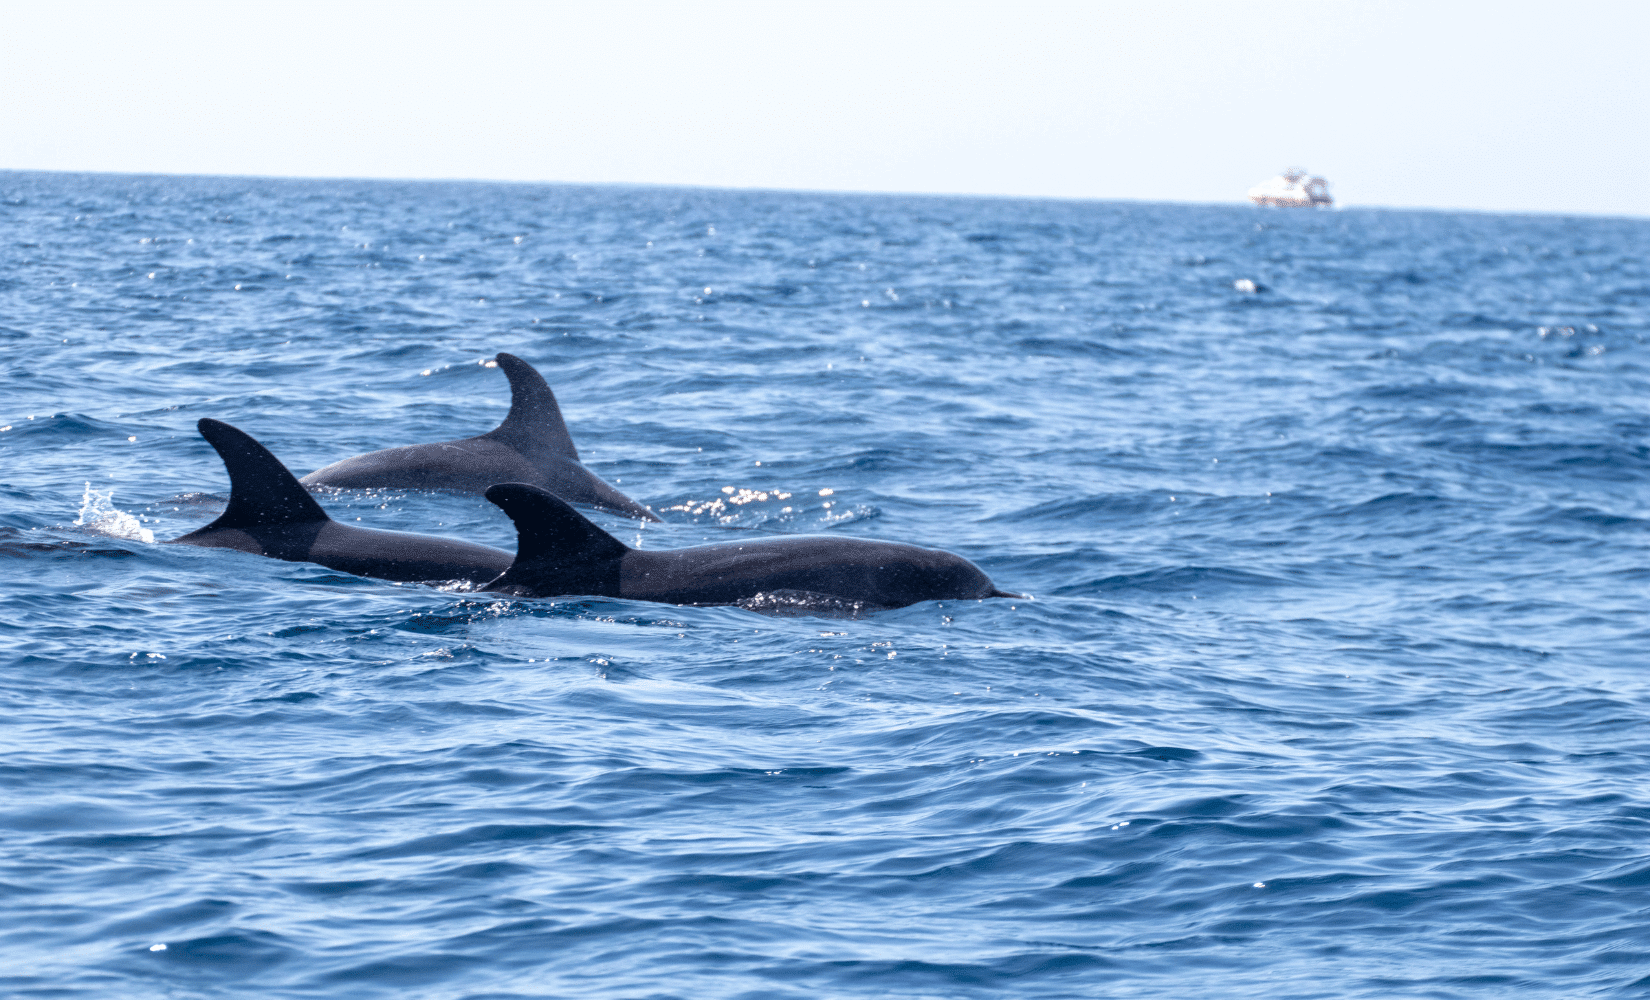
558	551
531	446
270	514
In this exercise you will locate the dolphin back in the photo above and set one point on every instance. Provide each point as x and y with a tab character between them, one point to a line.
558	550
532	445
262	493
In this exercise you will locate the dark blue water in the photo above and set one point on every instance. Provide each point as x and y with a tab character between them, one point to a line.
1333	683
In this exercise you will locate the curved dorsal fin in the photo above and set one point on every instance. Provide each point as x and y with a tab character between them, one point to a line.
558	550
261	490
534	417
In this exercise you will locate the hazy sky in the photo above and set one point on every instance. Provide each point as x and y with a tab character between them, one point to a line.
1512	106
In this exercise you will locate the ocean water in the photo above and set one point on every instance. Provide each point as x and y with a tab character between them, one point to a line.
1331	682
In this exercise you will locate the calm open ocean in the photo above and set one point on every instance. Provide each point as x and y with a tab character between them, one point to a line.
1333	682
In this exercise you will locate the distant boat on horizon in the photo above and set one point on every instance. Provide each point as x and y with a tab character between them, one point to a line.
1292	189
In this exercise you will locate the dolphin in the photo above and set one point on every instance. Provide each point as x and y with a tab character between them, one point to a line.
531	446
560	552
270	514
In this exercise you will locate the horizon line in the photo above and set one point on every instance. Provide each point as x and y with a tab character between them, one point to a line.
997	196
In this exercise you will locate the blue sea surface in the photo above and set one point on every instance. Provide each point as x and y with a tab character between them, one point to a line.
1331	681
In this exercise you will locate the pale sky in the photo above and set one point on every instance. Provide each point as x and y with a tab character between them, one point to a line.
1507	106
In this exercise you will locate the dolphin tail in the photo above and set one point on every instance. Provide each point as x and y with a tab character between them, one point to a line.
558	550
261	490
534	417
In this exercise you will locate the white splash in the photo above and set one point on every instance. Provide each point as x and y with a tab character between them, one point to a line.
98	512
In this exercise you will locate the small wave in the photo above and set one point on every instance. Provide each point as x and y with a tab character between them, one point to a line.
99	514
1589	517
69	426
1108	506
236	952
1180	578
1421	508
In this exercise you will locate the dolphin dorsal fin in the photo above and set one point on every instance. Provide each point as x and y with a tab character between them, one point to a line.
534	417
558	550
261	490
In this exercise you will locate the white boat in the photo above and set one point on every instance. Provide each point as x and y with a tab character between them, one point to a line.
1292	189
